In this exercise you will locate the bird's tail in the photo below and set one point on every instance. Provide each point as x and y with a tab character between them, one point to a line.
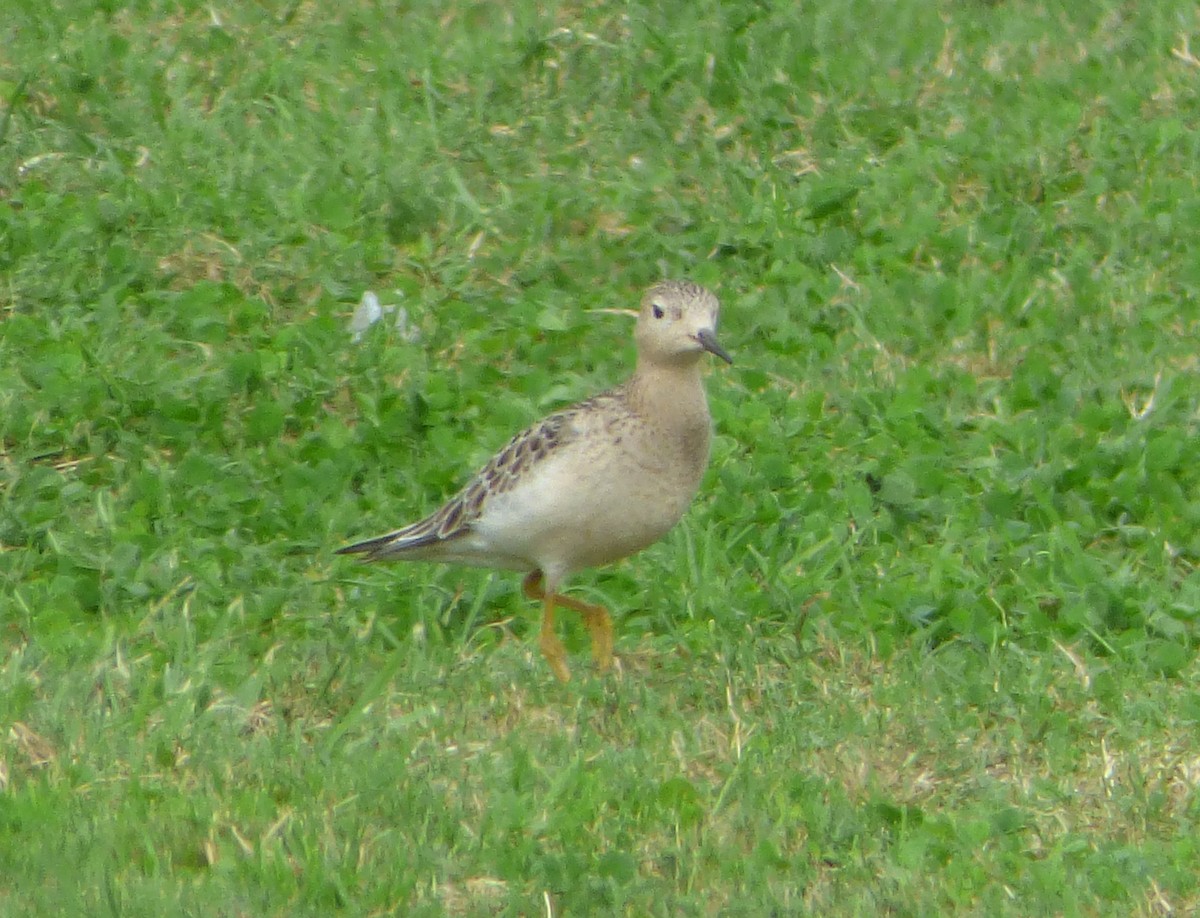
394	544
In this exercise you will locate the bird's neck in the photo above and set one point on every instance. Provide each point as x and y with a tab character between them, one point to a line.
670	399
669	392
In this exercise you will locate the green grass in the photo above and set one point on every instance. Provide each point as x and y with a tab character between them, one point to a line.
926	643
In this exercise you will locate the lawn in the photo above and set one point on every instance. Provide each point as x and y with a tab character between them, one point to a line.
925	643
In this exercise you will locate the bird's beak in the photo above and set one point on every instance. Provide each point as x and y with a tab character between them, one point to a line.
708	341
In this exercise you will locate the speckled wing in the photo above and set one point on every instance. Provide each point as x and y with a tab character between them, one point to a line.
455	518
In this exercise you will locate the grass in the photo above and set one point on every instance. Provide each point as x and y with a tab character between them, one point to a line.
926	643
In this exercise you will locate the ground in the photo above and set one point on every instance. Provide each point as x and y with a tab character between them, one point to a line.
925	643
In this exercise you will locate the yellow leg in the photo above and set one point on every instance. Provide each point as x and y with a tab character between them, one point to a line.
552	647
595	617
600	625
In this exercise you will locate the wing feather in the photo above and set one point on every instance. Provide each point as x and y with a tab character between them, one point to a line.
455	518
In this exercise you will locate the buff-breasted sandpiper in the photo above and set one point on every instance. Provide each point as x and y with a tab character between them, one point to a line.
590	484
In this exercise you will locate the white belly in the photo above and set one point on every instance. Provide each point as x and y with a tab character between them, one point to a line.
578	510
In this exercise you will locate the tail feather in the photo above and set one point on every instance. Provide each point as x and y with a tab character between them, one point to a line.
394	543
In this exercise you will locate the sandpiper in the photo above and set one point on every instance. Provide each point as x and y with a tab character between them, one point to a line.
590	484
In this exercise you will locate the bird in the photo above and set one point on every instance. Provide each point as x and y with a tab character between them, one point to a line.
589	484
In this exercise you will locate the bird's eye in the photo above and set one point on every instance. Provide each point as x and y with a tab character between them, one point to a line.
657	310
